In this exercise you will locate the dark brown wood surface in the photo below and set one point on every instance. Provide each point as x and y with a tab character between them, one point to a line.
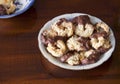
21	62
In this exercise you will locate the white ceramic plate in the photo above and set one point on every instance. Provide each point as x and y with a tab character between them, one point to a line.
56	62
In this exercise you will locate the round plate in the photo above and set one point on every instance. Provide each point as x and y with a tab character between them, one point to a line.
56	62
21	7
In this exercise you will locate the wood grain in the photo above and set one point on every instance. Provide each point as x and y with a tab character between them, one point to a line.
22	62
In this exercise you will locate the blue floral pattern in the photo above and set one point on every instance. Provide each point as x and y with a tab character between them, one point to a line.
18	4
21	7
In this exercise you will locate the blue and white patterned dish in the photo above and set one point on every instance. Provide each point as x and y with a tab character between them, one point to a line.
21	7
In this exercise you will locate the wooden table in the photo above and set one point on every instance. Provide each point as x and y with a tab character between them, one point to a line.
21	62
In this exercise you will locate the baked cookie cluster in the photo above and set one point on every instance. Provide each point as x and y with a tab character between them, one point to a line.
77	41
7	7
